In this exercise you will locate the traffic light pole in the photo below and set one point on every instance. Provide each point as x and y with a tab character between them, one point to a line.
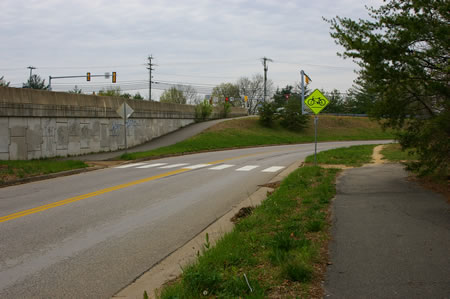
87	76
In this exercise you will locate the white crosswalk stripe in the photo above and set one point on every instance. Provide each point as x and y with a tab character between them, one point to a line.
220	167
247	168
152	165
273	169
130	165
174	165
196	166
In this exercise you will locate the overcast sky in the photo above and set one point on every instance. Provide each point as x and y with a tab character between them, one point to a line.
201	42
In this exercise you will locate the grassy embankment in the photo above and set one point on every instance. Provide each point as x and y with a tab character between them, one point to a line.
280	248
13	170
248	132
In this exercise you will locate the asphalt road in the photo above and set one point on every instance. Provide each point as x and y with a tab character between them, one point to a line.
390	237
91	234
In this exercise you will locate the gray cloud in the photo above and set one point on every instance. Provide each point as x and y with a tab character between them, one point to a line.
201	41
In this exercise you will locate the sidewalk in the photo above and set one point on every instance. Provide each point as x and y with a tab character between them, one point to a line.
390	237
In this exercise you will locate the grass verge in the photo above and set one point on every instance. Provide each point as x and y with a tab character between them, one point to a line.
350	156
249	132
394	153
277	251
13	170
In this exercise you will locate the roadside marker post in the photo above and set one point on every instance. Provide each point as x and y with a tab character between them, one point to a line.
316	101
125	112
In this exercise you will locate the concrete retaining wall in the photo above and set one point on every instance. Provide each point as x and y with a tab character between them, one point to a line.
41	124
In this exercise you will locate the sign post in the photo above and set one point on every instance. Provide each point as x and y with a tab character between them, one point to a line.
125	112
316	102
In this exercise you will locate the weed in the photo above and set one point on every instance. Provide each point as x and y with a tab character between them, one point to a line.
297	270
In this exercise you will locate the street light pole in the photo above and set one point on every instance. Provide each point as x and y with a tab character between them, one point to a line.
31	71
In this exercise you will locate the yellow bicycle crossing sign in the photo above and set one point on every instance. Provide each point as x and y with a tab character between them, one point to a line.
316	101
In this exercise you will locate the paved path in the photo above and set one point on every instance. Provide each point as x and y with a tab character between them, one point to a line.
169	139
390	237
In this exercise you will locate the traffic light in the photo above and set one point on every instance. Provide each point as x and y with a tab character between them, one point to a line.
226	99
114	77
88	76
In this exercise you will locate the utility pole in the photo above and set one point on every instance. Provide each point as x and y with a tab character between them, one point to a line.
266	67
150	69
31	71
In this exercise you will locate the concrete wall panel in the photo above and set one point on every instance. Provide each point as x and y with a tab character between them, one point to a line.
49	146
34	134
74	145
4	135
62	136
85	136
18	148
18	126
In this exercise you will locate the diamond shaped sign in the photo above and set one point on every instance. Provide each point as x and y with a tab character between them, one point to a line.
125	111
316	101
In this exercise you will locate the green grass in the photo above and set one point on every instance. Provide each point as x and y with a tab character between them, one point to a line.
249	132
394	153
11	170
279	244
349	156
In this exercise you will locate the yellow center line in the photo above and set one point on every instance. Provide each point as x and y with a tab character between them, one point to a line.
110	189
88	195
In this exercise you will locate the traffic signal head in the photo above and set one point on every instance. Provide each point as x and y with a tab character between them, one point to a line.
88	76
226	99
114	77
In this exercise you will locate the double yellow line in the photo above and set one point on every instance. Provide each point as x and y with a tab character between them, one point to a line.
106	190
88	195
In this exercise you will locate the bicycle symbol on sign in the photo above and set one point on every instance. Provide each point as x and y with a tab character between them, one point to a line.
319	101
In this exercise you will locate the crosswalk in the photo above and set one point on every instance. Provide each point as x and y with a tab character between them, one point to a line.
240	168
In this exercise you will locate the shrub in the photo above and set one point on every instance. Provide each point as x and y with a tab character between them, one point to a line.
203	111
292	117
267	114
226	109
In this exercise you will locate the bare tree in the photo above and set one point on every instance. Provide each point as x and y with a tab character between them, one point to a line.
254	90
3	82
190	94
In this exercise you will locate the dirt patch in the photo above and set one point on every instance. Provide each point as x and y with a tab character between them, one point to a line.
243	212
377	157
273	185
